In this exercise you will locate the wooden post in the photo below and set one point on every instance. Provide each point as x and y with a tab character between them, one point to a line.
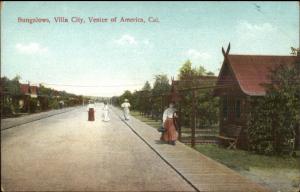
161	107
29	92
193	120
179	122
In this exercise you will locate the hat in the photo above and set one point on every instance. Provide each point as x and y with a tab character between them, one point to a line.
125	99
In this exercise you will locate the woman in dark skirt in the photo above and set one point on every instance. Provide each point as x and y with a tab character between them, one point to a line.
91	111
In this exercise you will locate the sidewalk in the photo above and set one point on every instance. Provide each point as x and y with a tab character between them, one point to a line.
12	122
197	169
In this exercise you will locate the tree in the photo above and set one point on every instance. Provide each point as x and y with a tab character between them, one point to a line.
143	99
147	86
12	86
17	78
210	73
207	106
161	87
186	70
11	89
126	95
161	84
273	119
200	71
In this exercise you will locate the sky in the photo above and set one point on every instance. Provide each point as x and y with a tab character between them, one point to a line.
105	59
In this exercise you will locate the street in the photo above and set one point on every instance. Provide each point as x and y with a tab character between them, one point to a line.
65	152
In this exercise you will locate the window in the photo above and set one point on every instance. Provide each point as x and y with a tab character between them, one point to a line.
238	108
225	107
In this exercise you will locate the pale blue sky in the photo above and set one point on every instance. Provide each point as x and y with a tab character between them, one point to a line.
112	57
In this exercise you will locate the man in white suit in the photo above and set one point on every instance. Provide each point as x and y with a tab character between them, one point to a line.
126	106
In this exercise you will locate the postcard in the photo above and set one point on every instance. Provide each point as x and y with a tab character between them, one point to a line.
150	96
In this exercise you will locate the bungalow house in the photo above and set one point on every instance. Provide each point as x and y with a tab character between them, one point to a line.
32	91
27	92
241	77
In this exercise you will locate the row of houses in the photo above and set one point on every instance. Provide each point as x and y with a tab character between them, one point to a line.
29	98
19	100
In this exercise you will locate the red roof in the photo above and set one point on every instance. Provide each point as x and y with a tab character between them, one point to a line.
251	71
24	89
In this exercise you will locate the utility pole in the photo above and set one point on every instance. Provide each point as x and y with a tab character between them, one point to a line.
29	92
193	139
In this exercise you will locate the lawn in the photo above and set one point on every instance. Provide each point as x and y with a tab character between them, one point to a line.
151	122
277	173
244	159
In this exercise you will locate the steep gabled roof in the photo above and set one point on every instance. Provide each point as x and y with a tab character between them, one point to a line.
251	71
24	88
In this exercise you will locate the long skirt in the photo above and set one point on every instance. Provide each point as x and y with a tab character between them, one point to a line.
91	114
126	114
170	133
106	116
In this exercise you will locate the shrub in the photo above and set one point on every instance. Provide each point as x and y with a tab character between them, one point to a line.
274	117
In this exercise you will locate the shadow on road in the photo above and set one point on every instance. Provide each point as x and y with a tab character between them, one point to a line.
160	142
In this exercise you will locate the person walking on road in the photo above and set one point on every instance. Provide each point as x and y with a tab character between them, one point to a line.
126	106
106	112
91	111
170	134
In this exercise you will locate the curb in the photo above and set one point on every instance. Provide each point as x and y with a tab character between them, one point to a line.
42	116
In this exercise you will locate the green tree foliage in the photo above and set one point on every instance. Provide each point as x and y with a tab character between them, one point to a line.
186	70
147	86
11	89
54	97
210	73
207	109
273	118
206	106
161	84
200	71
135	100
33	105
126	95
143	104
53	103
161	87
44	91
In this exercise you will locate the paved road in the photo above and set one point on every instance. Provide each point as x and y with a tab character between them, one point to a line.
66	152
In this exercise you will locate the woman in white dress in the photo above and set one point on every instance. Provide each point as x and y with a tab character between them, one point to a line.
106	112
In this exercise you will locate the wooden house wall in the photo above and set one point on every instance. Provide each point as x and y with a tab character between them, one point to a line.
231	94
